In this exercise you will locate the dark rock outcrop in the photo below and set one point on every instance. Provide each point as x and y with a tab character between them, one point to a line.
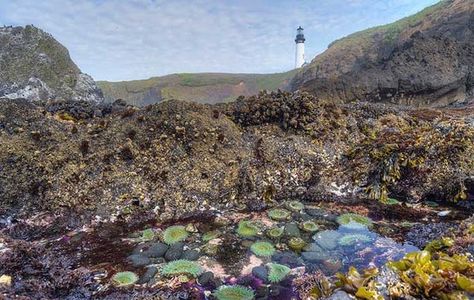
34	66
425	59
175	159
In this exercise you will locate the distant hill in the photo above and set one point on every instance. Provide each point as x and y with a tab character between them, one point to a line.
35	66
424	59
197	87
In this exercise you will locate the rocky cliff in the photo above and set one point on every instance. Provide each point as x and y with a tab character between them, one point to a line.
33	65
424	59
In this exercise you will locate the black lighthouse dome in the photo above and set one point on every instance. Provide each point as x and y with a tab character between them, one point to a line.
300	35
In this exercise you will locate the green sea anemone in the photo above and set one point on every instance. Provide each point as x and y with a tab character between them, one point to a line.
277	272
210	235
148	234
275	232
309	226
354	220
174	234
181	267
294	205
247	228
233	292
296	243
262	249
278	214
122	279
352	239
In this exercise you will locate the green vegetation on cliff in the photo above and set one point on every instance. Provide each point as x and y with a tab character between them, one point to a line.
197	87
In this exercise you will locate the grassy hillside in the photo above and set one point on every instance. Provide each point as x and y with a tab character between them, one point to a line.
198	87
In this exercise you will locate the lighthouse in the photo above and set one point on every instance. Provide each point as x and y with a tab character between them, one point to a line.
299	57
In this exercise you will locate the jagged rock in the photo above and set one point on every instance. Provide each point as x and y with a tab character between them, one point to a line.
35	66
425	59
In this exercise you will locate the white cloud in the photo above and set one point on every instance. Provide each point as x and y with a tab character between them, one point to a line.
122	40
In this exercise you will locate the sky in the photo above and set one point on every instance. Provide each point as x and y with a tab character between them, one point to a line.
136	39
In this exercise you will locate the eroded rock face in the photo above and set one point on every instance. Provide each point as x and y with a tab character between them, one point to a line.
34	66
177	159
426	59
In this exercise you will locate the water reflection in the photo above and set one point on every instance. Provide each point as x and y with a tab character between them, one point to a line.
351	245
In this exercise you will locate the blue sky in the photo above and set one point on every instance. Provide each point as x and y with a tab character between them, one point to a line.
136	39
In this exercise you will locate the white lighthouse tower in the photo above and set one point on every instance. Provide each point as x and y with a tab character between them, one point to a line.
299	57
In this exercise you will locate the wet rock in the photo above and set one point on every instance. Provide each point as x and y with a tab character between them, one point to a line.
316	256
191	255
149	274
260	272
340	295
321	214
262	292
138	260
206	278
175	252
156	250
327	239
292	230
288	258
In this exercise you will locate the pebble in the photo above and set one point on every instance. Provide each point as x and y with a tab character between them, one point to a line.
292	230
444	213
339	295
138	260
156	250
6	280
260	272
174	252
191	255
205	278
149	274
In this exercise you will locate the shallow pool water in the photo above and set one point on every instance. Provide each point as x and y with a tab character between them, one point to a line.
303	239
